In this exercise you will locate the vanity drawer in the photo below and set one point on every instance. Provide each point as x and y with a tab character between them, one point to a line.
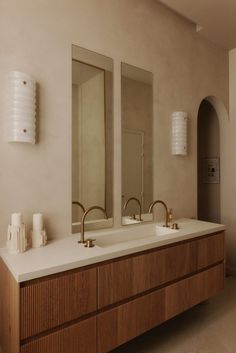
138	273
193	290
125	278
123	323
210	250
80	337
49	302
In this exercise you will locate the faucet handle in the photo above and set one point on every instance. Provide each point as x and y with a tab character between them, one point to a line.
175	226
89	243
170	215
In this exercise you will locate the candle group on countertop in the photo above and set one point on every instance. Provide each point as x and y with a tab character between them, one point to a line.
17	220
17	238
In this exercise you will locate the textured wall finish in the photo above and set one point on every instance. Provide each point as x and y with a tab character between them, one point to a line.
36	37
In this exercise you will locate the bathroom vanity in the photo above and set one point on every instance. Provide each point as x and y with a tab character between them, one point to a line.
69	299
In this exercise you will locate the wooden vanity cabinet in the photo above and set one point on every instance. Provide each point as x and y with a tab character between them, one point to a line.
124	278
95	309
76	338
124	322
49	314
50	302
9	311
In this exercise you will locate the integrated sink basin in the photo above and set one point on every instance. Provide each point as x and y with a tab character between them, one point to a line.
150	233
128	220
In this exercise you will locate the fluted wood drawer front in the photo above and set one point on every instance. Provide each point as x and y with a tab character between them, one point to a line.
123	323
124	278
51	302
78	338
210	250
185	294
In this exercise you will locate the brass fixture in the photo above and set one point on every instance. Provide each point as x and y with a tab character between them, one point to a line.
166	209
170	215
140	207
89	243
174	226
83	219
79	204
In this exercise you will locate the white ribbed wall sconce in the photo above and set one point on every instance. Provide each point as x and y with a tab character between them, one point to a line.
21	108
179	133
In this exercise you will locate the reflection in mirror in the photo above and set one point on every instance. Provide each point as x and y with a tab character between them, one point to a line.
92	138
137	144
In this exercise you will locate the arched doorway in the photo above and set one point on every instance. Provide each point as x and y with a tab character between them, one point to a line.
208	163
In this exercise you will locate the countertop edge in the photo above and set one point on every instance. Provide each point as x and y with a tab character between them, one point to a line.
115	254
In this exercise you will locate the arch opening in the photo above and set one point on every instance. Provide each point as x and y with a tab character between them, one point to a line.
208	138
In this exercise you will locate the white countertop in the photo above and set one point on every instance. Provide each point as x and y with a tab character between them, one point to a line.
66	254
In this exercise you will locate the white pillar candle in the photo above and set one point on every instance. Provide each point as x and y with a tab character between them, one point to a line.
37	221
16	219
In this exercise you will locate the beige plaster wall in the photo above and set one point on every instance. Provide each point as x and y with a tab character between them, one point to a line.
36	37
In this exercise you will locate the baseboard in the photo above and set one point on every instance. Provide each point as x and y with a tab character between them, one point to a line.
231	271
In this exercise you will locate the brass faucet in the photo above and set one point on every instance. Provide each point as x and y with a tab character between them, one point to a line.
166	209
83	219
140	207
79	204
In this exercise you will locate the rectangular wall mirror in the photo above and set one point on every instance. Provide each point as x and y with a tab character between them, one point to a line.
92	138
137	143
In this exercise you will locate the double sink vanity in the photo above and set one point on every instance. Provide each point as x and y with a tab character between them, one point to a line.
67	298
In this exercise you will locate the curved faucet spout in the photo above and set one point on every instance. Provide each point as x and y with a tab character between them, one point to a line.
83	219
79	204
166	210
139	203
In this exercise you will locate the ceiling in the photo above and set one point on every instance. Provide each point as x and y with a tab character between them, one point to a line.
216	17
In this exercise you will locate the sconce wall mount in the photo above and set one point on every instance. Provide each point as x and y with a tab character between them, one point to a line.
179	133
21	108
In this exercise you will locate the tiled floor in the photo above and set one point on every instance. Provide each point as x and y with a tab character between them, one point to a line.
208	328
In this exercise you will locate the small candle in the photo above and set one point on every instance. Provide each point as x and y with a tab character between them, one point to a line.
38	221
16	219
